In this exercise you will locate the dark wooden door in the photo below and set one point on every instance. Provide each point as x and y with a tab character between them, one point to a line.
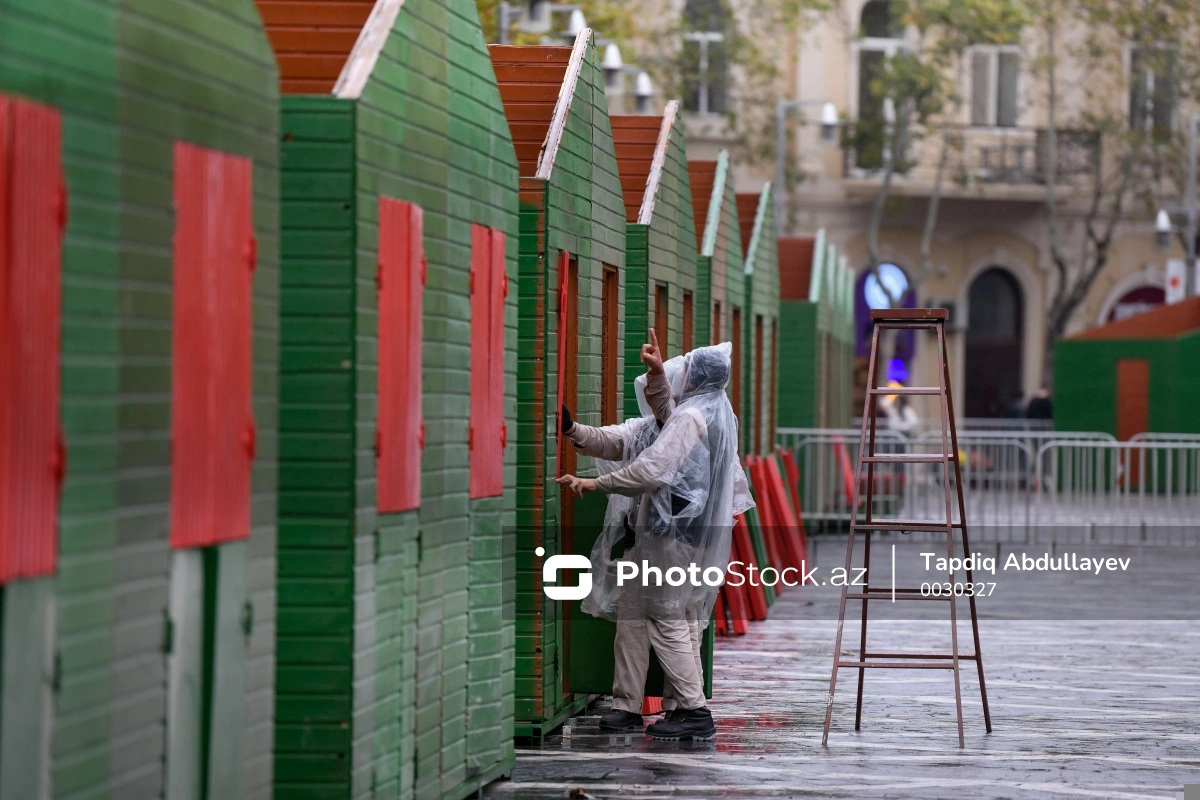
994	344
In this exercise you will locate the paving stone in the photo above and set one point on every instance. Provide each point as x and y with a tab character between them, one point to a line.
1080	708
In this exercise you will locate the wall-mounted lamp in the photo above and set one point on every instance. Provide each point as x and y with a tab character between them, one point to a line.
1162	229
829	121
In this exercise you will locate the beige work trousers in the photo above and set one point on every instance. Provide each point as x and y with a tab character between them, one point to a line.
677	644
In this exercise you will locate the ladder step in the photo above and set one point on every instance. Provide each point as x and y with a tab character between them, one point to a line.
907	458
905	314
882	390
903	525
898	665
961	656
899	596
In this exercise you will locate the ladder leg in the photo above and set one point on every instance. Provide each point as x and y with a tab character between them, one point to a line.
987	714
868	511
954	643
862	638
949	442
837	643
966	543
837	646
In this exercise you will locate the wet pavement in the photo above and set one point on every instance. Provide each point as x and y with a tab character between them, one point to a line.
1080	709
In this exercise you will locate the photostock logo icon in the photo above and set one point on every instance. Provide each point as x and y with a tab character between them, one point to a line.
550	571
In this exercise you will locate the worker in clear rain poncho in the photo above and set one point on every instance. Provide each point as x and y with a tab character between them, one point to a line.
675	485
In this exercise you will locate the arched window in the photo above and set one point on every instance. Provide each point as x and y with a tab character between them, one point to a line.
705	65
995	336
885	287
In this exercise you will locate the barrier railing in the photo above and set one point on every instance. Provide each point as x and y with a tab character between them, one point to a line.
1143	491
1028	485
981	424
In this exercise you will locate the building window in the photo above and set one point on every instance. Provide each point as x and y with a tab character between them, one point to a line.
1153	89
705	64
994	71
881	37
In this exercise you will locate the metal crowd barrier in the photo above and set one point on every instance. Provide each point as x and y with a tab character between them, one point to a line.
1143	491
981	424
1019	486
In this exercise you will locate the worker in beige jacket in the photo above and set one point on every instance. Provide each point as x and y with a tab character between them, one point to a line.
675	483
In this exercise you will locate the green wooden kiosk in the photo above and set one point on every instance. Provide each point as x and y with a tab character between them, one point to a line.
395	640
660	292
572	257
761	372
1132	376
816	334
145	581
660	253
720	265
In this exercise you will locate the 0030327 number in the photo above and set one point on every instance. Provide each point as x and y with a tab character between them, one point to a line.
957	589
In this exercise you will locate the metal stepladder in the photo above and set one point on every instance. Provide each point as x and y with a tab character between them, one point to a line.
862	521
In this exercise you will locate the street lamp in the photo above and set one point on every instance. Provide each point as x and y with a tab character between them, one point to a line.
889	130
575	24
611	64
1162	221
829	126
829	121
643	90
1162	229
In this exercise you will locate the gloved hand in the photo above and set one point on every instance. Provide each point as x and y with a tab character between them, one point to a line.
566	424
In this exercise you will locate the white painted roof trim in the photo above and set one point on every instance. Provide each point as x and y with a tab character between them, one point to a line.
713	219
371	39
558	122
760	217
646	212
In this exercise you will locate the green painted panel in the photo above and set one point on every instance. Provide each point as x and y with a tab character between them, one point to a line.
762	301
186	676
27	688
227	709
63	54
583	214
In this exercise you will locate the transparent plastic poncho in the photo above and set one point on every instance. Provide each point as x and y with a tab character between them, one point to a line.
687	518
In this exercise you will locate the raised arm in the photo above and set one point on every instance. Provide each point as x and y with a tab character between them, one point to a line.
658	388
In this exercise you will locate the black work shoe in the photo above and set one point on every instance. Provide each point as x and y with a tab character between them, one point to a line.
696	723
620	721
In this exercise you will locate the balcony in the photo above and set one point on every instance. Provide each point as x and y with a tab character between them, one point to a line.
987	163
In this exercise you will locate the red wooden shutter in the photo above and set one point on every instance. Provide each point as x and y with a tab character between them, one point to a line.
564	270
213	437
499	291
32	220
401	278
486	474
